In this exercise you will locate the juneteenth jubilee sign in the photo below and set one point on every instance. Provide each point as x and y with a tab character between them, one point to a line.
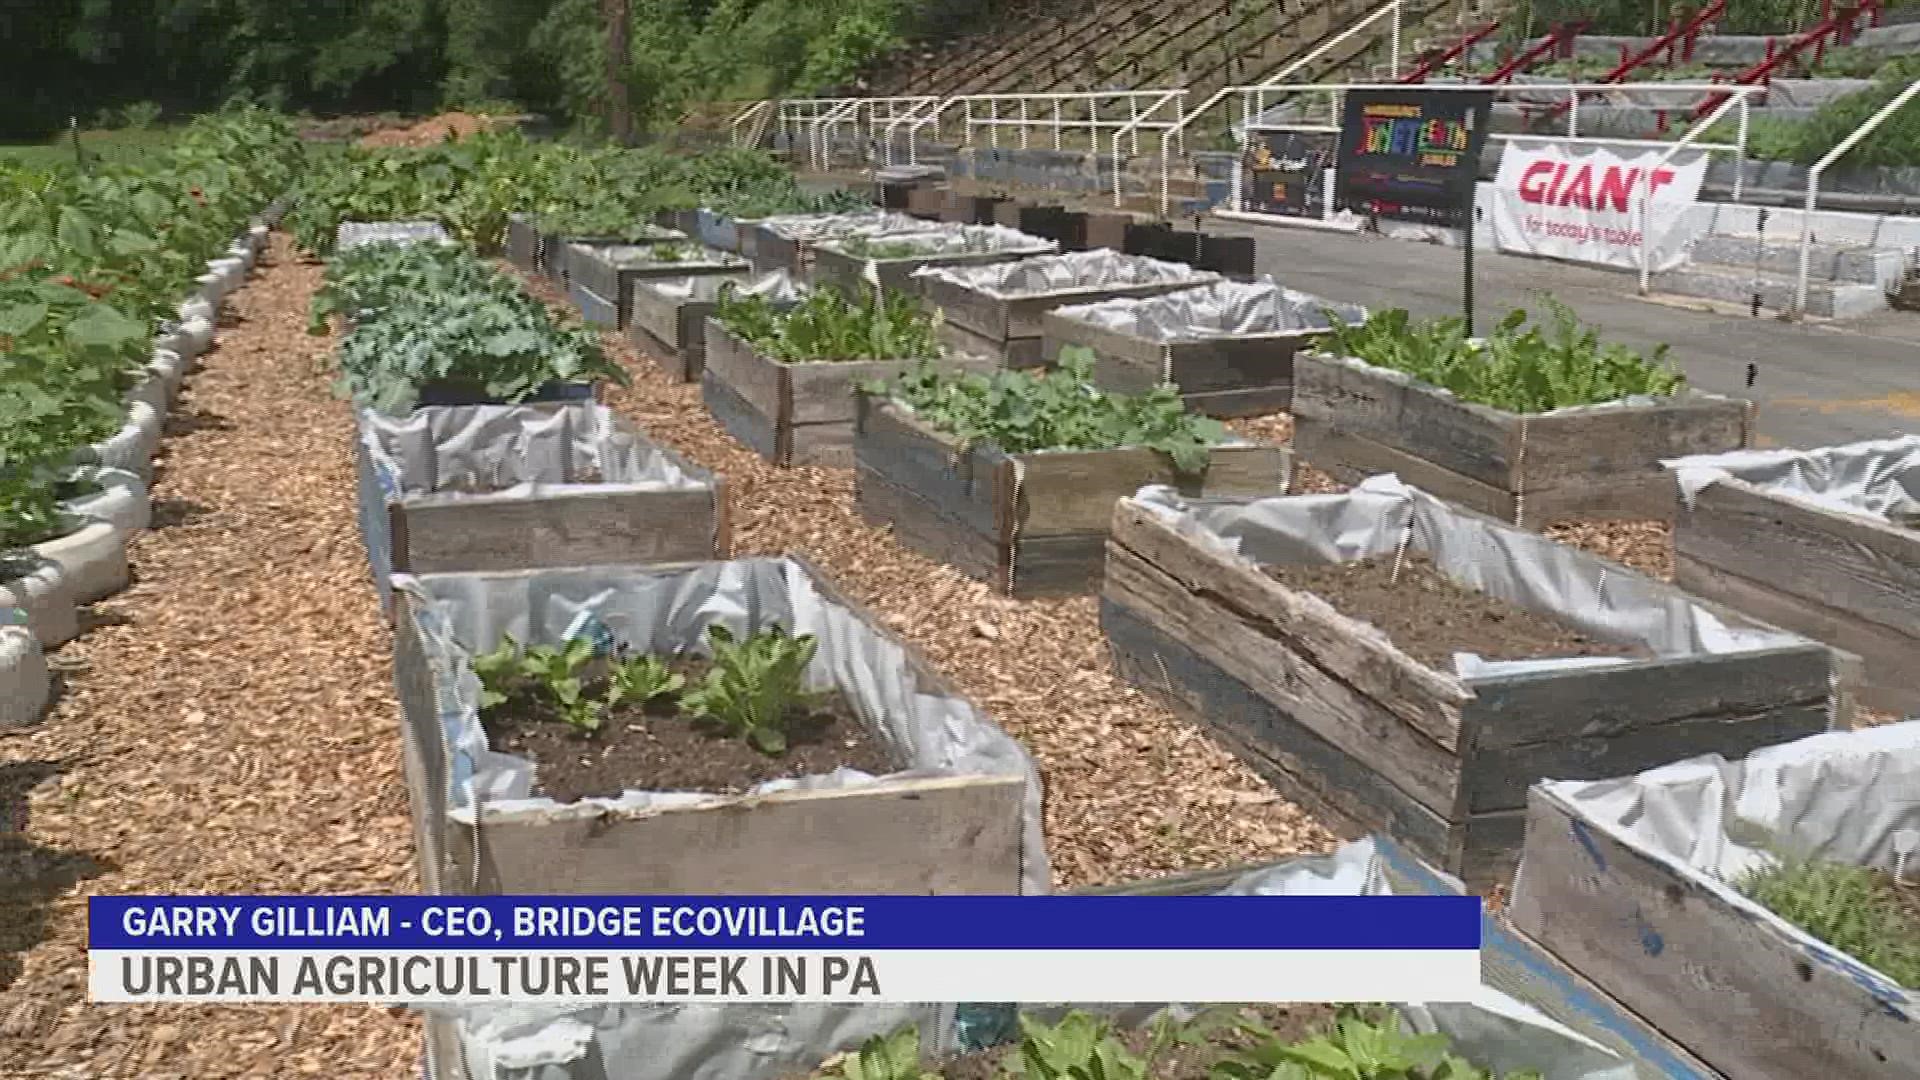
416	950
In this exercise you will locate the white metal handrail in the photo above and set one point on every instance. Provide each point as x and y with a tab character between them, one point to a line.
1691	139
1059	112
750	114
1813	189
1176	98
1333	95
1390	10
820	120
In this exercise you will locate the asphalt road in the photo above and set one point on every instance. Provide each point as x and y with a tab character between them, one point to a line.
1817	384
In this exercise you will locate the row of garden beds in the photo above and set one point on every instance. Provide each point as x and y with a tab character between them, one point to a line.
103	504
574	652
1374	727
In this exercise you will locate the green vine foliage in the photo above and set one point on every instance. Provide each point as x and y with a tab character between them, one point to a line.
471	186
423	314
1022	412
1521	368
827	326
1852	908
91	263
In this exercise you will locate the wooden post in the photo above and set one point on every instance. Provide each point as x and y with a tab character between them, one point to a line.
618	15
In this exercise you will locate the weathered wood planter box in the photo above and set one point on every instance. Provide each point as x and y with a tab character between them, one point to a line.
996	309
1227	347
504	487
669	315
966	821
557	248
523	243
788	413
1352	419
1337	717
839	264
1030	523
601	279
1629	883
787	242
1839	570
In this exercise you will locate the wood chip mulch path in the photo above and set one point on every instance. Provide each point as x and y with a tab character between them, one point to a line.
230	728
1132	791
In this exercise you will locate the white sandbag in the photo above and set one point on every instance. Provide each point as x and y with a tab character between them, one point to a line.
122	499
24	684
170	367
40	589
131	448
199	336
197	307
93	557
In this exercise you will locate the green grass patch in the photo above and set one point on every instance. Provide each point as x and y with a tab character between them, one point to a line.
1857	910
129	146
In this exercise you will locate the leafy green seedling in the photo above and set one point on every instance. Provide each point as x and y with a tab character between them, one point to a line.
753	684
1079	1047
560	671
498	671
639	680
887	1057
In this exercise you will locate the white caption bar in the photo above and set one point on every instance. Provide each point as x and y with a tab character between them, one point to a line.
1018	976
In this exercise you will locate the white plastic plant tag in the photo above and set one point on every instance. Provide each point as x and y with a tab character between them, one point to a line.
1904	843
872	273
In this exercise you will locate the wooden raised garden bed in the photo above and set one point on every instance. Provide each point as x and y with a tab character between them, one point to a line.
1653	924
1346	720
964	830
787	243
523	243
1030	523
1848	577
557	247
495	488
602	278
840	265
790	413
996	309
1352	420
1228	348
670	314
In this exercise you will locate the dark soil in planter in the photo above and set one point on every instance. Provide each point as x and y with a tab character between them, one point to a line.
1429	616
659	748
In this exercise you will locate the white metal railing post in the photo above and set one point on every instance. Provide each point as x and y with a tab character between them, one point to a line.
1740	154
1646	180
1023	123
1813	189
1573	115
1133	119
993	116
1056	123
1393	57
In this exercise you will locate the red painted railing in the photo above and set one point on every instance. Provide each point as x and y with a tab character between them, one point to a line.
1558	44
1837	24
1680	38
1439	60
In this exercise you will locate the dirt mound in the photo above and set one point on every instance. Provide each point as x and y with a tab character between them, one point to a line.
434	131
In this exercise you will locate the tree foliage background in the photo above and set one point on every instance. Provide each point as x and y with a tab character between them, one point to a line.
80	57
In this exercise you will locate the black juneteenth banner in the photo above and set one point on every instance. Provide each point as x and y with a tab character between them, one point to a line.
1412	155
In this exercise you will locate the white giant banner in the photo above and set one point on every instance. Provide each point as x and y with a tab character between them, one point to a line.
1582	201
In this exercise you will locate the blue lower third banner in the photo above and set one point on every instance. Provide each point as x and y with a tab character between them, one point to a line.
886	949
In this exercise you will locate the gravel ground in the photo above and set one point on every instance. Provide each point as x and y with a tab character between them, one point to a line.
229	728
